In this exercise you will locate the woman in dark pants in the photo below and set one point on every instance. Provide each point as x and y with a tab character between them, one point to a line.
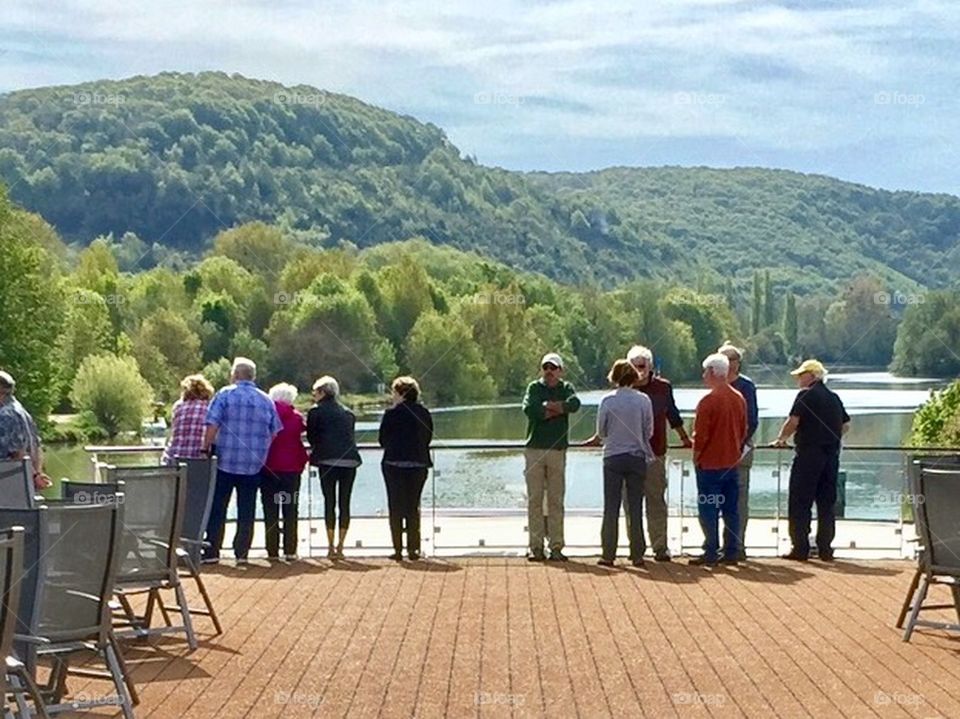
405	435
280	477
624	427
330	431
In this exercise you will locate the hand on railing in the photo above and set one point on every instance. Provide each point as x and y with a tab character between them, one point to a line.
779	443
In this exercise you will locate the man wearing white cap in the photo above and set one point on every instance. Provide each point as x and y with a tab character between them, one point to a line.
547	403
819	421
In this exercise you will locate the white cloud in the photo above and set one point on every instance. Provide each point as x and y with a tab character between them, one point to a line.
797	77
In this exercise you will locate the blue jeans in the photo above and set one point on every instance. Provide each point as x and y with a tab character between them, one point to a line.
717	493
246	486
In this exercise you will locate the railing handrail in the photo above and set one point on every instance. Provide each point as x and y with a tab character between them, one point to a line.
511	444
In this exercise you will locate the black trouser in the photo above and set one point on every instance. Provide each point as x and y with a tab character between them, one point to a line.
280	489
330	478
813	478
619	471
404	486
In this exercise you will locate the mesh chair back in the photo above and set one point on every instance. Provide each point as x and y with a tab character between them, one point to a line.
938	518
69	564
90	492
11	574
201	484
152	516
16	484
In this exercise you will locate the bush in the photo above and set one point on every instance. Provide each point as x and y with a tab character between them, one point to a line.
937	422
112	389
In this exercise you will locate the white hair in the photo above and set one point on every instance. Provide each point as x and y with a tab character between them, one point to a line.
640	352
244	368
717	364
329	385
731	351
283	392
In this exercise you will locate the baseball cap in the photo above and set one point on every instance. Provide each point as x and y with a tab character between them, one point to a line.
552	358
811	365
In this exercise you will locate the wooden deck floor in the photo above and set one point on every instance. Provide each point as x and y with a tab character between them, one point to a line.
501	637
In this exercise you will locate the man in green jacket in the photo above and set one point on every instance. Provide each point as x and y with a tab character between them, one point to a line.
547	402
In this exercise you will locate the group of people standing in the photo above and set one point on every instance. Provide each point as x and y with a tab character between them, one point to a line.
257	438
631	426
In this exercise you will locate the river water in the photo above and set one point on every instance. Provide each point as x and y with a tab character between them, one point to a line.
881	407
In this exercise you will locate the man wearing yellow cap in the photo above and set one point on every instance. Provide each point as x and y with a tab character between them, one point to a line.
819	421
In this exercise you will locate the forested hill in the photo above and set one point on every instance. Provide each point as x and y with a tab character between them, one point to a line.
175	158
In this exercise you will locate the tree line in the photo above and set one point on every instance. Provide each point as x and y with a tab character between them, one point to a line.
85	330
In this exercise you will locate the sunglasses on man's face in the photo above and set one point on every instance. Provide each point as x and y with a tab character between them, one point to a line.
550	367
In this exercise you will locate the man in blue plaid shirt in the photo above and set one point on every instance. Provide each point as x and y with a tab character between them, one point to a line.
241	421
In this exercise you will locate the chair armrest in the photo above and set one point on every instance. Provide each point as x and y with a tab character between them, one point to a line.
158	543
83	595
199	542
30	639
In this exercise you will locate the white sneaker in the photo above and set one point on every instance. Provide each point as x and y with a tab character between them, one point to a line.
242	561
292	558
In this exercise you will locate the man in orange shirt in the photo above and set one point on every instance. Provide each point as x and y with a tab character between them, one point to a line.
719	430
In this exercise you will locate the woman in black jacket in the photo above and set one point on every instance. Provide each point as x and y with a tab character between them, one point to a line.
333	450
405	435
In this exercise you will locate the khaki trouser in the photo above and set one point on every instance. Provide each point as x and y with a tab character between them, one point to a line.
545	474
655	498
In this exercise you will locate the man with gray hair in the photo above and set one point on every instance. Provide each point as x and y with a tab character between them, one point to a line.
745	386
719	429
241	422
660	392
18	432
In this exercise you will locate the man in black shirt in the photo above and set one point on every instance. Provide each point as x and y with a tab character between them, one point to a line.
819	421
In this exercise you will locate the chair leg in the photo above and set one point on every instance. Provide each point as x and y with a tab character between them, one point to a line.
185	614
128	680
206	600
163	608
119	682
956	597
917	605
906	602
31	689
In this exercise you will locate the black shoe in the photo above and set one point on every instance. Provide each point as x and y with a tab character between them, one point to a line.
397	557
826	557
557	556
730	561
605	562
795	556
536	557
663	556
702	562
638	562
414	556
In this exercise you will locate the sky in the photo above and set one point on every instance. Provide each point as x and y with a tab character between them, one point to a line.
864	91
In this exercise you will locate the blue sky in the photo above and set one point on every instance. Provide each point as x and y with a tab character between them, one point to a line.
864	91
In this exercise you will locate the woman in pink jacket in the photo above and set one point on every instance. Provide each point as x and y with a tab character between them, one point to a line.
280	479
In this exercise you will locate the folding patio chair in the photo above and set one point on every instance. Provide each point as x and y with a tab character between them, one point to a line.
937	461
154	503
16	680
16	484
70	564
201	484
937	510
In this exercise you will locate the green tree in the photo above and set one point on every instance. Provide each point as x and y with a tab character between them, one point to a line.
259	248
756	314
769	301
710	321
167	349
936	423
446	361
31	314
790	326
929	335
112	390
87	330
